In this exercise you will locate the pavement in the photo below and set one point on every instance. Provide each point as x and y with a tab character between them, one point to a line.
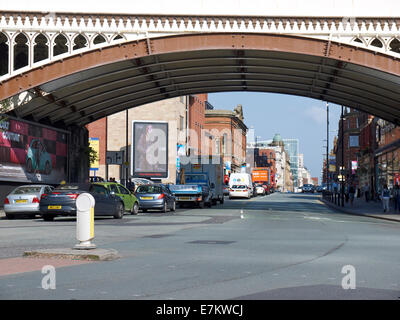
372	209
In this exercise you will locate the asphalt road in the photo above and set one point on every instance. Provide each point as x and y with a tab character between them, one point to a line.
281	246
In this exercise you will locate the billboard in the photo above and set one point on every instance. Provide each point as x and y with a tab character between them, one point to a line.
32	153
149	149
94	143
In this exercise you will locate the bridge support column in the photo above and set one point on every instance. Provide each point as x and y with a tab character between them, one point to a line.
78	150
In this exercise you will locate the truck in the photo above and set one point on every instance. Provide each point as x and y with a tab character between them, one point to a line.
261	175
200	181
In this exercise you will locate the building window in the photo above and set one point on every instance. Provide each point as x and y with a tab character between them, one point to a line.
217	151
181	123
353	141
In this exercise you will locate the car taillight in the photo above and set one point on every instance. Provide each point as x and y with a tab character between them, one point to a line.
162	195
44	195
6	201
72	195
199	198
35	200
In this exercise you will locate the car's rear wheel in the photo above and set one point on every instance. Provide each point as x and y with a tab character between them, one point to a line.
173	208
135	208
10	215
119	212
165	207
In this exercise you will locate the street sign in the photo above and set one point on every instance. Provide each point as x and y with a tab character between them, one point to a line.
114	157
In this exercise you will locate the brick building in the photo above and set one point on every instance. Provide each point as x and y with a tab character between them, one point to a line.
112	133
226	133
196	123
351	147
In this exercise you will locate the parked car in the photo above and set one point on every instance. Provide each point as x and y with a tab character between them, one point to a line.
24	200
260	189
141	181
131	203
62	201
240	191
155	196
308	188
37	158
266	188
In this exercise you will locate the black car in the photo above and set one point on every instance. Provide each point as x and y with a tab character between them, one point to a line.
62	201
308	188
155	196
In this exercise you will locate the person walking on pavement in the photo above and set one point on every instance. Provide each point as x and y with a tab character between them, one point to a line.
366	192
351	194
385	198
396	197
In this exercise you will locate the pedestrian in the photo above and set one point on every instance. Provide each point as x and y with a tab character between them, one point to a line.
385	195
351	194
131	185
396	197
366	192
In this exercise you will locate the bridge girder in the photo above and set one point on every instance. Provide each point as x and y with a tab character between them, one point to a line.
84	88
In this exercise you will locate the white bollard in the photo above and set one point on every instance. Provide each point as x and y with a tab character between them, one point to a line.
85	221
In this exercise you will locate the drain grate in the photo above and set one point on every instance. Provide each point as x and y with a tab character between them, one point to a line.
211	242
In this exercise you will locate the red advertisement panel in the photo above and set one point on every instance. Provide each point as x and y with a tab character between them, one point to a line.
32	153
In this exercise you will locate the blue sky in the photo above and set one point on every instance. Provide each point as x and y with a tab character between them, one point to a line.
290	116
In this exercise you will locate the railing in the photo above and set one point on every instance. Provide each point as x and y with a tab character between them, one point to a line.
334	197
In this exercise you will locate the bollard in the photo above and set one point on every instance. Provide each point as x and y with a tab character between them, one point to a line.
85	221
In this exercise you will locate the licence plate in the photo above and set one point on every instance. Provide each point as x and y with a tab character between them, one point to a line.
21	201
184	198
146	198
54	207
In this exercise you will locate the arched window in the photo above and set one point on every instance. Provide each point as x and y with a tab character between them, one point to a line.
395	46
79	42
4	61
41	48
117	37
60	45
21	51
376	43
99	39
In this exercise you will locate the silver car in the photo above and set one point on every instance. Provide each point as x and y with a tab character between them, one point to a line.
24	200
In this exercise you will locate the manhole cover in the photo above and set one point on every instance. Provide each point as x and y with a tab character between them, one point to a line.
211	242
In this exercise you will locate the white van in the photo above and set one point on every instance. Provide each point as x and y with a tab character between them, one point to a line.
240	185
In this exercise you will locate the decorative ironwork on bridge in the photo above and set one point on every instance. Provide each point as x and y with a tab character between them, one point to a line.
31	40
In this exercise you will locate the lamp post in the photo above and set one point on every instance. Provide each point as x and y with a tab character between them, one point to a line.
342	162
327	145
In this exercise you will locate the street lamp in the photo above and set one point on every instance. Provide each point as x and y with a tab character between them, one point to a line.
327	145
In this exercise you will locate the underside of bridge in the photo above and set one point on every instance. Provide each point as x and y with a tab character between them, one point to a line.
87	87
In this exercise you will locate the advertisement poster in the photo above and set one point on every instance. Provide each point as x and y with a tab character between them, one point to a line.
32	153
94	143
150	149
